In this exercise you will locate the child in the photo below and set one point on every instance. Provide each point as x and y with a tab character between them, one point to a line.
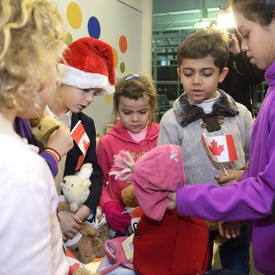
252	197
134	114
134	109
32	39
87	71
203	108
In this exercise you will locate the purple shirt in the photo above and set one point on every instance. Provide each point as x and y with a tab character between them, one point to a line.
251	199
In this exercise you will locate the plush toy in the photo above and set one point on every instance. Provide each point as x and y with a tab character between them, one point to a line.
75	188
128	197
43	127
86	245
100	225
132	206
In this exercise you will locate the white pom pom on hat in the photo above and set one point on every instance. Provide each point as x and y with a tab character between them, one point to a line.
88	63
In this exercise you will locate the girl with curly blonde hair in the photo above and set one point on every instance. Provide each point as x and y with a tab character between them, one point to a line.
32	39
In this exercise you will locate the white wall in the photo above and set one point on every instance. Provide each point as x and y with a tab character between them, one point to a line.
131	19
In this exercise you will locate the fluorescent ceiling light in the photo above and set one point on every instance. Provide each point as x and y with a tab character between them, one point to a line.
225	20
176	12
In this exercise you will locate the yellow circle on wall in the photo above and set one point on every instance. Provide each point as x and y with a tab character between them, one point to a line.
115	57
74	15
108	98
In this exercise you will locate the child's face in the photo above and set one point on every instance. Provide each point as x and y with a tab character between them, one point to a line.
36	103
134	114
257	41
75	99
200	78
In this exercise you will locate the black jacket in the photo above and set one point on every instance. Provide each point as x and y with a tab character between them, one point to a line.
242	80
74	154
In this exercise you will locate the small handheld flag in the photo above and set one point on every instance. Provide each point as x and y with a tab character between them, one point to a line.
80	136
221	148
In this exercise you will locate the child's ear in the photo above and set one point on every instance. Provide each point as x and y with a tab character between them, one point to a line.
223	74
178	71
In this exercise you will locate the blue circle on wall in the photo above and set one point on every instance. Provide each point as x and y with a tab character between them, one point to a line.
94	27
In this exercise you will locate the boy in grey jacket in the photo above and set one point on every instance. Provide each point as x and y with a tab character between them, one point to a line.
203	108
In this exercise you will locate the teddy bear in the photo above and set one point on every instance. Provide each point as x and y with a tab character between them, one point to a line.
100	224
86	245
43	127
130	201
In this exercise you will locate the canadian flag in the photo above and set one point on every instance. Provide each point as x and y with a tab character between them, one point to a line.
80	136
220	148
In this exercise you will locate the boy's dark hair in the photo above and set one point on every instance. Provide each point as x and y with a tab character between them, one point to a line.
255	10
204	43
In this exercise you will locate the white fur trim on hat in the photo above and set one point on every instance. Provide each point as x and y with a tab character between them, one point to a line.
79	79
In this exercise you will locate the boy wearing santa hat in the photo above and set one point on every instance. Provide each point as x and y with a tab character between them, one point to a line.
87	70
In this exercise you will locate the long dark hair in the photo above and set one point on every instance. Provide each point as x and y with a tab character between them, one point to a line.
255	10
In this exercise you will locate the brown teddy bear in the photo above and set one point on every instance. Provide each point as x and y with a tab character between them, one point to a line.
43	127
86	245
128	197
130	201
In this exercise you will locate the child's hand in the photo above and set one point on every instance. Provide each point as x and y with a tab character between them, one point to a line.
114	217
70	224
233	176
230	229
172	204
61	140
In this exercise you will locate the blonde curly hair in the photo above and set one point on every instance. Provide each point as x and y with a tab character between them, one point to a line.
32	38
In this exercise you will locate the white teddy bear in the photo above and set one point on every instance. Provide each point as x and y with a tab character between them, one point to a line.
75	188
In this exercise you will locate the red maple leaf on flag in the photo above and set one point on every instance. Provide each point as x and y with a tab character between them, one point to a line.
215	149
86	144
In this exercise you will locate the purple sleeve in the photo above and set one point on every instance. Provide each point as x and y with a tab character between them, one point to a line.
51	162
249	199
23	127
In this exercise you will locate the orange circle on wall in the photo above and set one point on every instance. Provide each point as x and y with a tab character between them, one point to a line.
123	44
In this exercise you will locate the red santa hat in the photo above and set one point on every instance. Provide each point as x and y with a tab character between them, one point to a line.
88	63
